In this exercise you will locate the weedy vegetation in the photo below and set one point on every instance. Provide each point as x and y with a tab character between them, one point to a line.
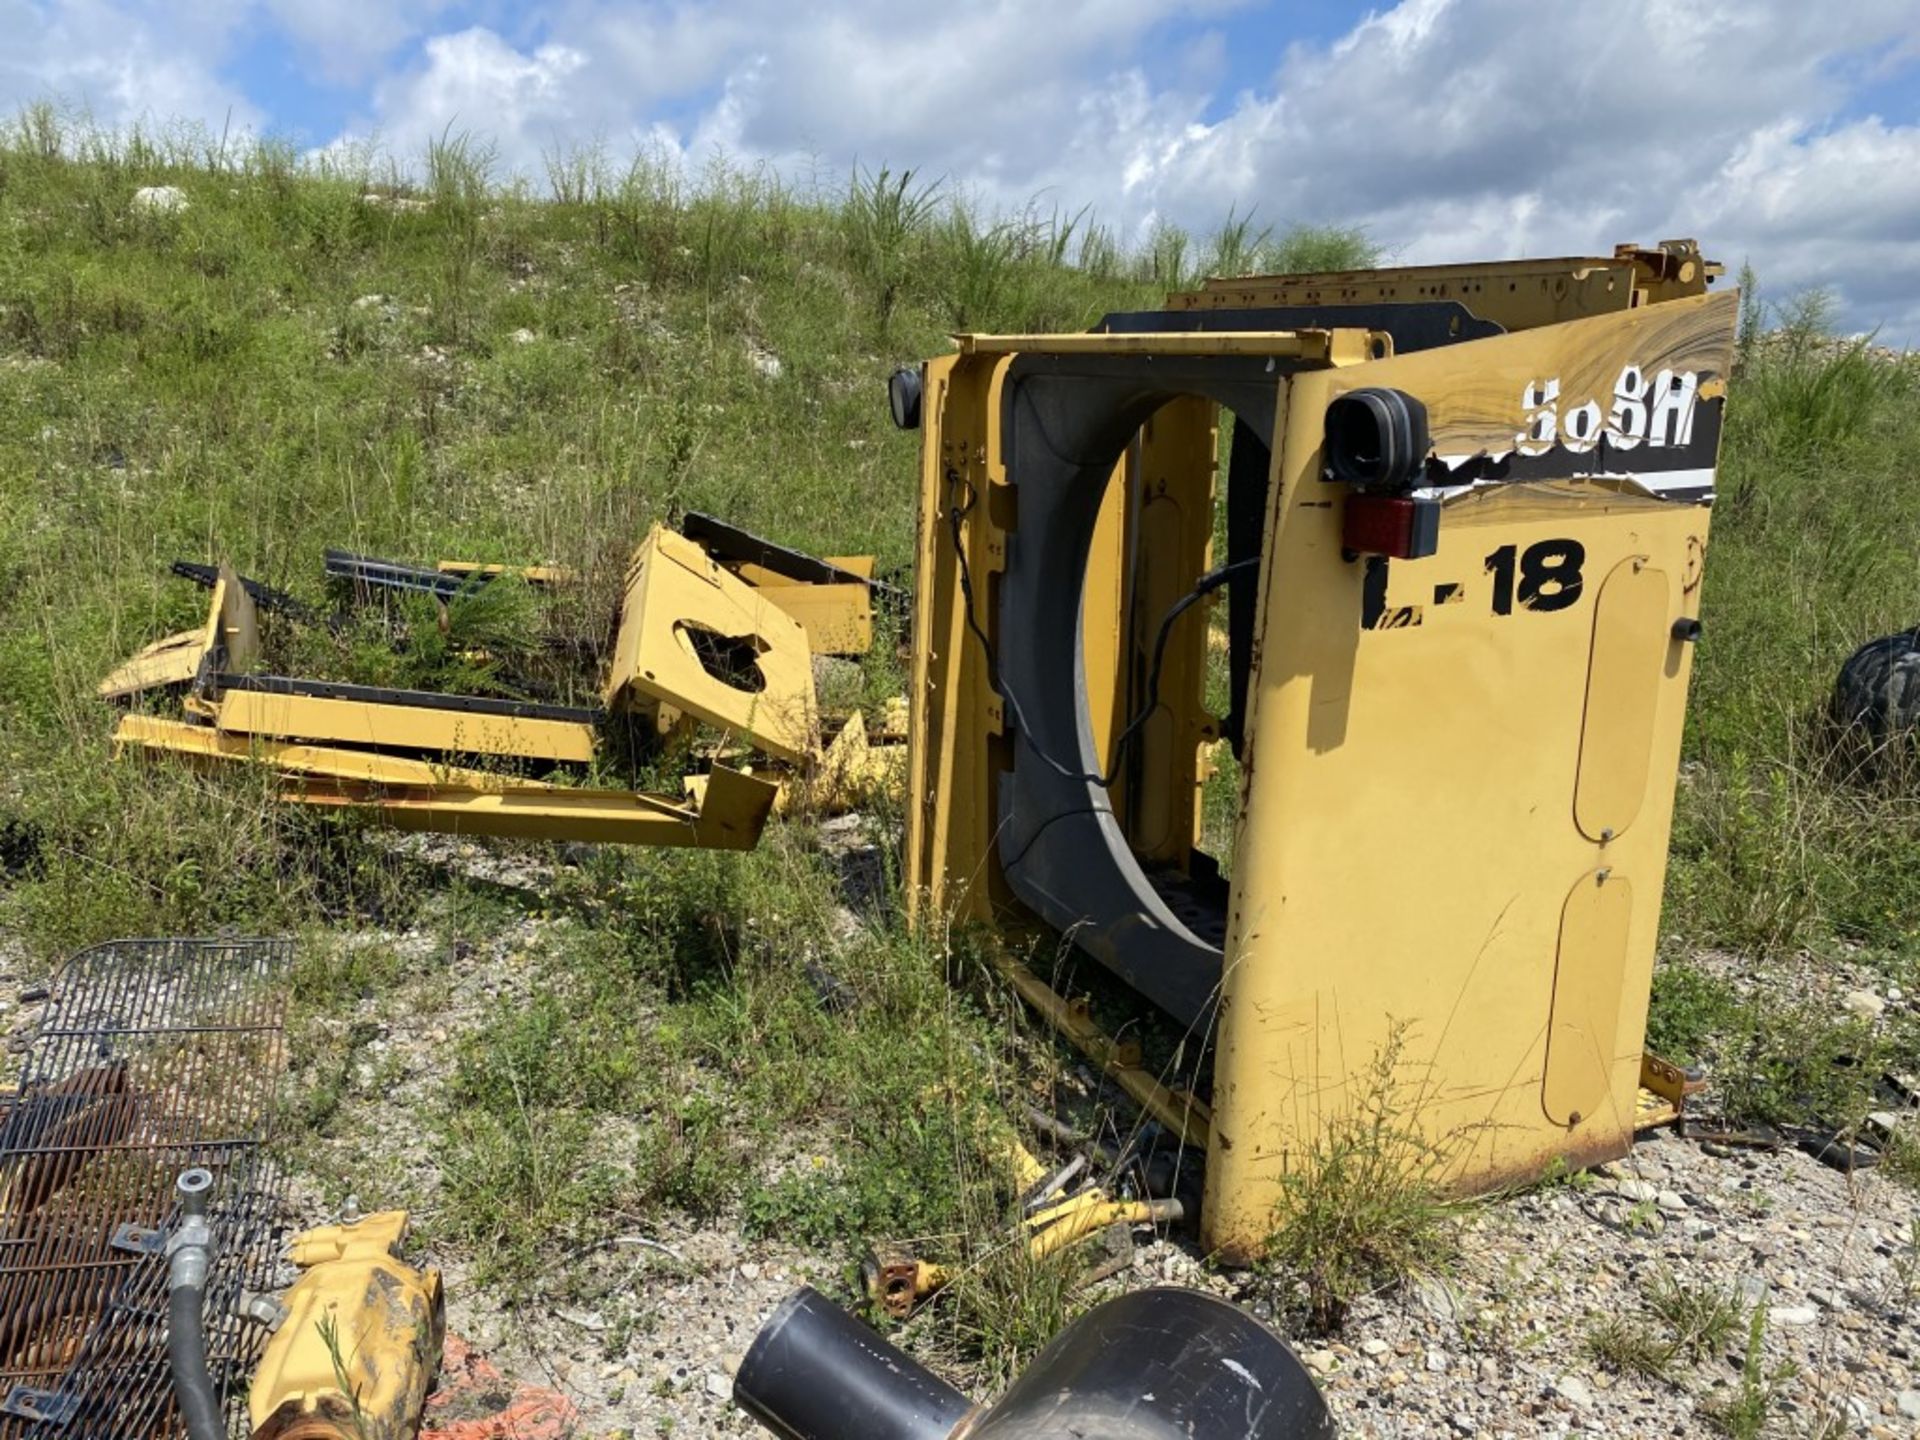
1367	1207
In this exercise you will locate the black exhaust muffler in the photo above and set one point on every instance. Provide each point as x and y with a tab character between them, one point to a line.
1153	1365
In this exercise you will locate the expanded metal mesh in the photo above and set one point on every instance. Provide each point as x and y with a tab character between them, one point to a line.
152	1056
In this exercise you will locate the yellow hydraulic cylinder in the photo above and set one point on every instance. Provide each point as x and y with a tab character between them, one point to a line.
360	1343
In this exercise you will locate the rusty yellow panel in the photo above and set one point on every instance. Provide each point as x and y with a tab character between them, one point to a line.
1595	931
694	636
1632	641
1415	731
234	623
406	727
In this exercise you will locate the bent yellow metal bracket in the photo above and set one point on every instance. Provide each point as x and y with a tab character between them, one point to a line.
416	795
410	727
702	640
359	1343
232	626
172	661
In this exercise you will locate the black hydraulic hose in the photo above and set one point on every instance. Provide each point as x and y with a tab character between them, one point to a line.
816	1373
188	1254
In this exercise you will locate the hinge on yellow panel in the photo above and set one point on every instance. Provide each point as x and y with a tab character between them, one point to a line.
1664	1088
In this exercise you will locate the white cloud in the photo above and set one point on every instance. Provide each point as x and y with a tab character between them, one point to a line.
476	82
348	41
154	63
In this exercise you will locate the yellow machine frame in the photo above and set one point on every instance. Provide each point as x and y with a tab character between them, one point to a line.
1457	759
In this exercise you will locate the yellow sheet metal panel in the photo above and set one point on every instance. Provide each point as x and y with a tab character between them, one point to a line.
1590	973
407	727
1631	645
694	636
1408	837
172	661
1173	542
838	618
956	717
235	622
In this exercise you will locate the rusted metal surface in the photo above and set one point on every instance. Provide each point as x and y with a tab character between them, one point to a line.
153	1056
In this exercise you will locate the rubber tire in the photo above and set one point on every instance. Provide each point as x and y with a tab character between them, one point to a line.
1878	689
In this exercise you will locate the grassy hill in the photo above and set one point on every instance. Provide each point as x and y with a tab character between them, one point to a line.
323	354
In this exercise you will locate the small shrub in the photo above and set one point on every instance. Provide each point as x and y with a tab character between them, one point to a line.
1365	1207
1629	1347
1004	1303
1703	1320
1744	1414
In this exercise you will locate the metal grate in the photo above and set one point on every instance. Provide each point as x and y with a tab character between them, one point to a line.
152	1056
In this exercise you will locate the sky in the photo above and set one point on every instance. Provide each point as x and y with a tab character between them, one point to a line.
1778	132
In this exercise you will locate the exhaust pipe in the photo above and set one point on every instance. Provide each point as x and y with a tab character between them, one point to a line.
816	1373
1159	1364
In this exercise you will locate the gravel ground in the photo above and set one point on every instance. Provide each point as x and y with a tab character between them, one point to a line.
649	1330
649	1342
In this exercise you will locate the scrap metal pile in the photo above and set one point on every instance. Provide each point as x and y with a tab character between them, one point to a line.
154	1057
712	655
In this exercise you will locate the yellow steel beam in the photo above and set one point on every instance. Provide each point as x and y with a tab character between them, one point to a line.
1327	347
1516	294
730	818
1187	1116
407	727
532	574
412	794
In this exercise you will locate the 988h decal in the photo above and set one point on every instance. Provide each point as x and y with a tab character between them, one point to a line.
1657	413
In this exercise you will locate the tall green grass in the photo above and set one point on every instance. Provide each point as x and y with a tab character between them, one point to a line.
1782	838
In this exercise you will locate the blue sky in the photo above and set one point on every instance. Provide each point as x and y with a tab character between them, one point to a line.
1782	133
